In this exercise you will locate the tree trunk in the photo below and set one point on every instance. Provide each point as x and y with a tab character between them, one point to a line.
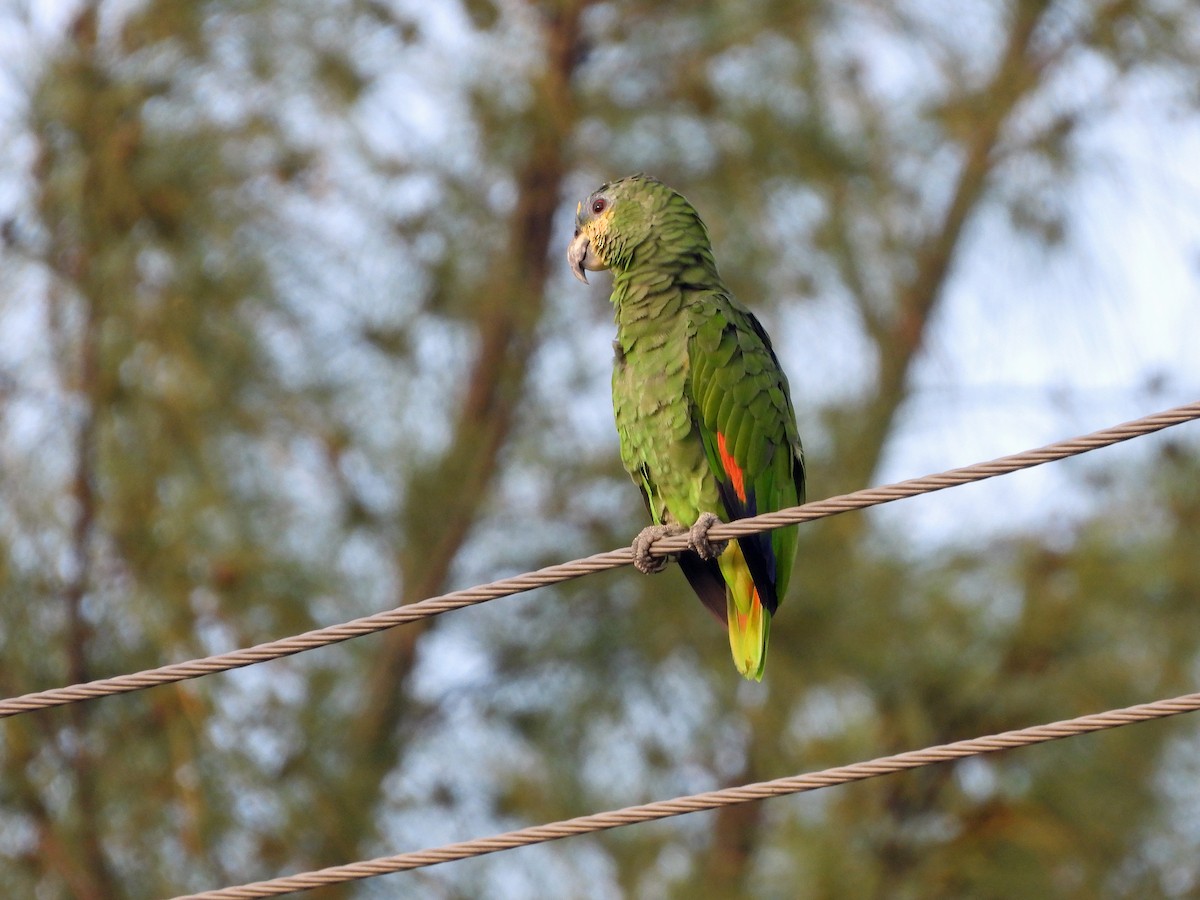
457	484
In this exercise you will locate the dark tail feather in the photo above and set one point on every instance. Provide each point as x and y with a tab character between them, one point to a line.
705	579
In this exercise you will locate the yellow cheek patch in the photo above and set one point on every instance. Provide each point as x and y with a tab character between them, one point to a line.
578	207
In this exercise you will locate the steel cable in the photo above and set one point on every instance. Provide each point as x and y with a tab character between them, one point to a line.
434	606
663	809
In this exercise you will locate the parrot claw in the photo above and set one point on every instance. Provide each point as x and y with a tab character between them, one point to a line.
698	537
642	560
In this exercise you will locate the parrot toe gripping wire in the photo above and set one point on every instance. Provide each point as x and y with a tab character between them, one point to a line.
698	542
642	560
698	537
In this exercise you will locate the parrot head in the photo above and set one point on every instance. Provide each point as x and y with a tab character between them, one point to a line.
615	220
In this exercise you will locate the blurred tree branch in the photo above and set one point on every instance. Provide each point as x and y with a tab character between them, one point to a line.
508	310
898	335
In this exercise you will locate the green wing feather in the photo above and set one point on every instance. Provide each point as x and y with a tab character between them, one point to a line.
749	432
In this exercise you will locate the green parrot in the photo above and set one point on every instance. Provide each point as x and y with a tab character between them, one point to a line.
702	406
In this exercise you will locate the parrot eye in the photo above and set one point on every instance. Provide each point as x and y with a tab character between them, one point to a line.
598	205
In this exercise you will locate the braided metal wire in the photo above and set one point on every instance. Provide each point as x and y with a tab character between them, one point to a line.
663	809
577	568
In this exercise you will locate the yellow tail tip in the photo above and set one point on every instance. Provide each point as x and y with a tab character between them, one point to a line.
748	636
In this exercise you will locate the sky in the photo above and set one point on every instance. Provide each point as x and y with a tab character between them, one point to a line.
1101	334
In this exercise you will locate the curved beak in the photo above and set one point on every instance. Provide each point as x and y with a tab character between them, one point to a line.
581	257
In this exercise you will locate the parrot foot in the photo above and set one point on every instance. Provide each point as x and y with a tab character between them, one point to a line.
698	537
642	560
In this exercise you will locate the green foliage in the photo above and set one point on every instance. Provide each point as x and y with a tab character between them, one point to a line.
286	338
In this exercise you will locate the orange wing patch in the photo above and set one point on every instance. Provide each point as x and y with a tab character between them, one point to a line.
732	469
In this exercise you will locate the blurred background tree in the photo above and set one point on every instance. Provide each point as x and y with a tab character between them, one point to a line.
286	337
